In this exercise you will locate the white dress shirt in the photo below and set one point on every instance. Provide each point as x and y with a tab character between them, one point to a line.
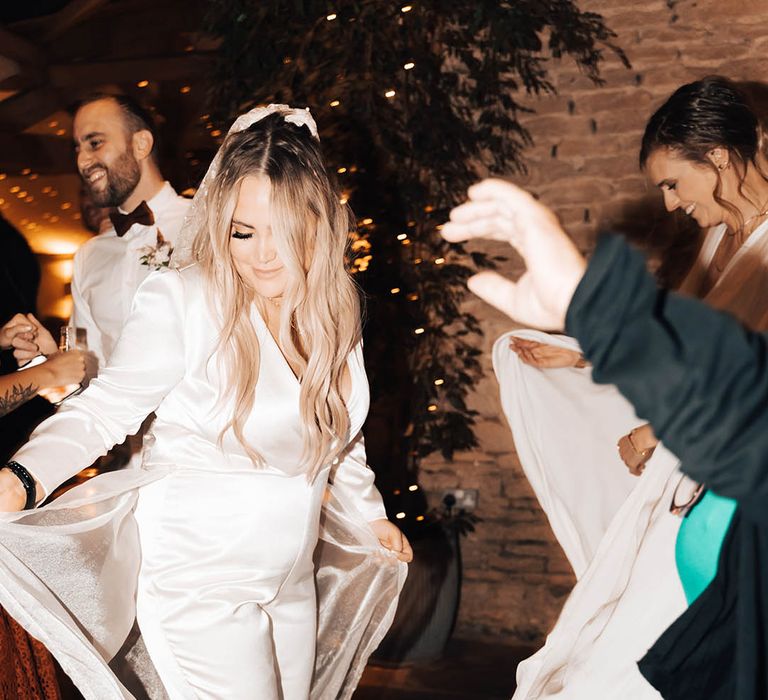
108	271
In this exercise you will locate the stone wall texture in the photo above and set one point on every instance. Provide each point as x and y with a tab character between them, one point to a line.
583	164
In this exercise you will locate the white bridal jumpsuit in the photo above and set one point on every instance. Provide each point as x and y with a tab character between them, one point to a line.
223	567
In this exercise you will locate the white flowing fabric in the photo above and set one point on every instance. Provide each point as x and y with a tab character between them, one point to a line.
212	556
616	530
221	563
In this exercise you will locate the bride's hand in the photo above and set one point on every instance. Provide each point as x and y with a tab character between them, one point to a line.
391	538
544	356
12	494
499	210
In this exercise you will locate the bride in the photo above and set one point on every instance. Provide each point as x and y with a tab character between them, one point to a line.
250	358
702	149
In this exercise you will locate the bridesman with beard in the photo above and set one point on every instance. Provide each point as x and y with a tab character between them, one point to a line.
116	145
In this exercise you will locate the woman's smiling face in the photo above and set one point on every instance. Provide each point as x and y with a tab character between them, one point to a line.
251	241
685	185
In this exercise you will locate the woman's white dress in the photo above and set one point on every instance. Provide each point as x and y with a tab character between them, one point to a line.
615	529
217	565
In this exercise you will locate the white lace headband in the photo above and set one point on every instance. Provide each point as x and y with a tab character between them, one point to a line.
182	253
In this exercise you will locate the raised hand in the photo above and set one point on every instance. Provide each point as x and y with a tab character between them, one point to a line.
501	211
544	356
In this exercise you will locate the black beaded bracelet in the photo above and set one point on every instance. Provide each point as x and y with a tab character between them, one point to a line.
27	481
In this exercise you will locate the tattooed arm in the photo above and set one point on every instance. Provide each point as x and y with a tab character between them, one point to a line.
59	370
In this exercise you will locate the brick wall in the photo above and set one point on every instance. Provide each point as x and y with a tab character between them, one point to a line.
584	165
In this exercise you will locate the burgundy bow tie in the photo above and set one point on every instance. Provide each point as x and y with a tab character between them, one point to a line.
140	215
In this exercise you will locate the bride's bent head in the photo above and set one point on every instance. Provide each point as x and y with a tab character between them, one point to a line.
275	236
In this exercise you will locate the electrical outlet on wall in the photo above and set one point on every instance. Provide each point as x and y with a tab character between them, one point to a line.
466	499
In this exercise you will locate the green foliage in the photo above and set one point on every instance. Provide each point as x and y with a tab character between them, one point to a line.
409	158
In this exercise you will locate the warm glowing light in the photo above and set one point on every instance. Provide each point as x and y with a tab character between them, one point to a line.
62	308
14	189
334	103
55	219
2	201
22	194
185	89
417	261
439	382
66	205
432	408
29	199
419	518
390	93
53	124
26	171
402	236
367	222
439	261
341	171
51	245
344	200
419	331
413	487
396	492
34	176
142	83
409	65
400	515
216	133
62	269
413	296
406	241
47	189
429	208
331	17
61	132
406	8
189	48
394	290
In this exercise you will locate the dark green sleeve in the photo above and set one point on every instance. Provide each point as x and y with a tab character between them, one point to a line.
695	374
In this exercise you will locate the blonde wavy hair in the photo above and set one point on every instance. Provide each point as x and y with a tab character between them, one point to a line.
320	313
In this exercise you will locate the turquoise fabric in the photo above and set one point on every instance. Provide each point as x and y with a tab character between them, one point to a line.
699	541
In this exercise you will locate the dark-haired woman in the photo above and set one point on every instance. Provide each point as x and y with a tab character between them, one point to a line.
702	149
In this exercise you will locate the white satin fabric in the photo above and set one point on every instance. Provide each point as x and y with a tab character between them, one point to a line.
219	555
616	530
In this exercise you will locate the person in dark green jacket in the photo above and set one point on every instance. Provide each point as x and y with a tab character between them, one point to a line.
699	378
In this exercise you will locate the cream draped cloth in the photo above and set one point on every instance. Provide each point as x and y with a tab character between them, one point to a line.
615	529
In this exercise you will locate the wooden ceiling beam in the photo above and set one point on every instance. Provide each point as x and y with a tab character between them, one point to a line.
20	50
21	111
155	68
46	155
70	16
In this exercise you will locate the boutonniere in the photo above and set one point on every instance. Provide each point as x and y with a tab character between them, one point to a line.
158	256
